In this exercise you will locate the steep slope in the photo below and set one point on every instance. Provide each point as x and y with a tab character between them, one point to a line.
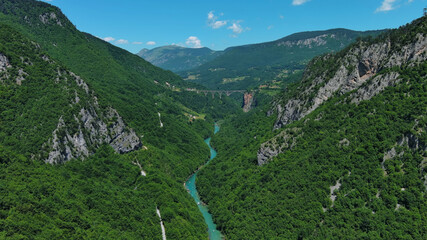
48	113
69	121
176	58
352	68
352	167
270	63
138	90
66	96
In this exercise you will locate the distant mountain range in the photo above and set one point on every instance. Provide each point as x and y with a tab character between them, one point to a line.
269	64
176	58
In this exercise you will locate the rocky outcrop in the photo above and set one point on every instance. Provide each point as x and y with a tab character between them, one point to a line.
46	18
286	140
91	127
4	63
364	70
309	42
20	77
333	195
248	101
109	128
70	122
66	145
356	68
378	85
409	141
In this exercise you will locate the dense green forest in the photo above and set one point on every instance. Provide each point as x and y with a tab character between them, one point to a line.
105	195
352	170
284	199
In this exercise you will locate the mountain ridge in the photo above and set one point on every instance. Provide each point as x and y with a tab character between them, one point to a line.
351	161
177	58
271	64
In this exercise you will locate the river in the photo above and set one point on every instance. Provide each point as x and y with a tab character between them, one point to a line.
214	234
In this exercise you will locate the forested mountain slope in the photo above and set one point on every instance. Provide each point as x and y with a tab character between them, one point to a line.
66	96
349	164
176	58
49	112
272	63
138	90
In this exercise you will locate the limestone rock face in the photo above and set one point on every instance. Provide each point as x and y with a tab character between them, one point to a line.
248	101
357	70
286	140
46	18
4	63
359	65
74	125
379	83
91	127
309	42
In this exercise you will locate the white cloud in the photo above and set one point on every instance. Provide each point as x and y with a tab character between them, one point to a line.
151	43
193	42
137	43
211	16
213	23
299	2
122	41
386	6
218	24
236	28
109	39
282	17
270	27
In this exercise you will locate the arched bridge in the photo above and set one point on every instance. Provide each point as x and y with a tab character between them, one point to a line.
213	92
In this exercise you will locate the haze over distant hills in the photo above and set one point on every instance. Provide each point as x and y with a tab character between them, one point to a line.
176	58
269	64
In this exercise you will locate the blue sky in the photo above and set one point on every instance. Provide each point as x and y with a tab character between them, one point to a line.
218	24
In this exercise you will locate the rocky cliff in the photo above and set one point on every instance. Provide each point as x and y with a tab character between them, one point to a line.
248	101
92	126
359	65
53	109
365	69
309	42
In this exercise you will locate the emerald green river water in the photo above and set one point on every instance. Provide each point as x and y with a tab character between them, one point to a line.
214	234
